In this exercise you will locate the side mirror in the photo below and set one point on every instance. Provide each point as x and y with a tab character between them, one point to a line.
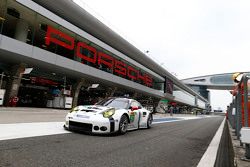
134	108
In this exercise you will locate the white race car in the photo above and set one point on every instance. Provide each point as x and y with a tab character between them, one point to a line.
109	116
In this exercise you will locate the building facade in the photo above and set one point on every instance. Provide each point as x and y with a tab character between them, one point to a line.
54	55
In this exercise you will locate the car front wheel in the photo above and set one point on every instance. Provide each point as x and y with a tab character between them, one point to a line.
149	121
123	125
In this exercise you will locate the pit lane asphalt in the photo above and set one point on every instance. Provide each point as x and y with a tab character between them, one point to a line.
174	144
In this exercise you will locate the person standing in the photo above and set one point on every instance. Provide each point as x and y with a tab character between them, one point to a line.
171	110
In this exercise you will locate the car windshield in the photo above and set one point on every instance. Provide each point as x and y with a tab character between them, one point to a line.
116	103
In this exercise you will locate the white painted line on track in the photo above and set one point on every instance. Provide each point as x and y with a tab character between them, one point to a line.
22	130
166	121
209	157
176	119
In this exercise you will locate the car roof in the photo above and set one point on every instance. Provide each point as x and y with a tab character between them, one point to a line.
124	98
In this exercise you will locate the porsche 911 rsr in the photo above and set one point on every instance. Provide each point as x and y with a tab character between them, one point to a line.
109	116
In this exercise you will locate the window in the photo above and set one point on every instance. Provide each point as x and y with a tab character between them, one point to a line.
62	50
17	21
2	13
135	104
41	26
115	102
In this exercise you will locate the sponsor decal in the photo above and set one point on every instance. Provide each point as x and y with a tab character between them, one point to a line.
42	81
89	54
82	116
169	86
132	117
112	124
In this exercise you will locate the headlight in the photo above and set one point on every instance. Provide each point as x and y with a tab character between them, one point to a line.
108	113
74	109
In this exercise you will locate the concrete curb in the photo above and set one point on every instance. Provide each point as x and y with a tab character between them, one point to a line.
30	109
209	157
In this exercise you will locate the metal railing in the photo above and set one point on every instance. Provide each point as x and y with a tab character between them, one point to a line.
238	112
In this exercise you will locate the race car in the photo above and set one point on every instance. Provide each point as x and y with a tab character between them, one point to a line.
109	116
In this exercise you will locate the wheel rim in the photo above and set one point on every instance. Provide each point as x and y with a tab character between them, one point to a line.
124	125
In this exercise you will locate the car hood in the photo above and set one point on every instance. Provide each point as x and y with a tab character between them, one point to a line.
91	109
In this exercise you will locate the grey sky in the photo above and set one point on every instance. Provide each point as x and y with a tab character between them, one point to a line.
188	37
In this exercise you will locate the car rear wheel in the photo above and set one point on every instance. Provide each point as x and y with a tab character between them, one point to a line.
123	125
149	121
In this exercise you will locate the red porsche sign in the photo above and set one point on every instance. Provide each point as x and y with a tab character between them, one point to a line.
99	58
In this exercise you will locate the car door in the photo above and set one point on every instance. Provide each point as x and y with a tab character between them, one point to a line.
144	115
134	115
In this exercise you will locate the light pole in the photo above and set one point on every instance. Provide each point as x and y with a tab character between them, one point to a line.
1	80
64	84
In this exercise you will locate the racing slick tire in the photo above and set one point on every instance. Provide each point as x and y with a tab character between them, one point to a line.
149	121
123	125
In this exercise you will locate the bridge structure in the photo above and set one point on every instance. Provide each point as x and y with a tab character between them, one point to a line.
202	84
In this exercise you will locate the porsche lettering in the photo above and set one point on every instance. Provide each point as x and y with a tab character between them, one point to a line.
96	57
